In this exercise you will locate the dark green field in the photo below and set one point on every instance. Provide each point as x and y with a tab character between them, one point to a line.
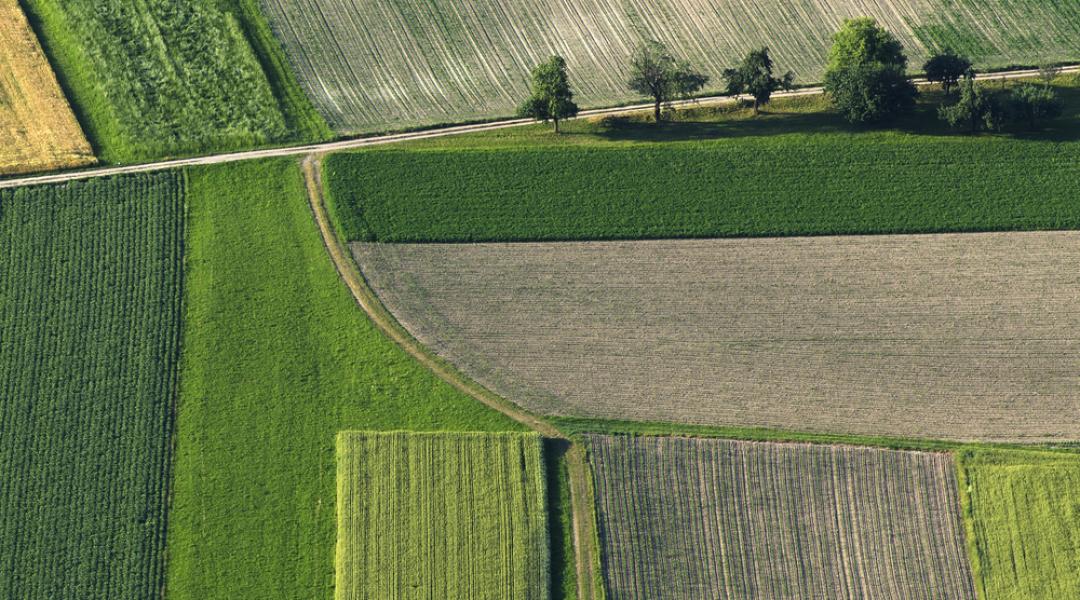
277	359
90	289
796	171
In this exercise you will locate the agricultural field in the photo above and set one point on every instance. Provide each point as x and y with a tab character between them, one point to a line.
441	515
152	79
949	336
38	131
685	518
1024	523
393	64
90	288
277	359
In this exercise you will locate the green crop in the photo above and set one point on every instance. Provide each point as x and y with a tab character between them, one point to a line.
90	288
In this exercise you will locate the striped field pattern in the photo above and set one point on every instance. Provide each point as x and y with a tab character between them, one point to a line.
383	64
454	516
686	519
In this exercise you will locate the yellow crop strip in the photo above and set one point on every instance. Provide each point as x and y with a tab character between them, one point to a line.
38	131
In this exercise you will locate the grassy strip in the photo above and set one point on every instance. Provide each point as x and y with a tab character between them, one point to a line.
560	521
799	171
90	305
305	123
1023	522
277	359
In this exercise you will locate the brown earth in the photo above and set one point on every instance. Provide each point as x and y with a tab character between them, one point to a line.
963	337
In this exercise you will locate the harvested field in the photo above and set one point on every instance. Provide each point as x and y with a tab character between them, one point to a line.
90	288
954	336
385	64
685	519
38	131
1023	513
454	516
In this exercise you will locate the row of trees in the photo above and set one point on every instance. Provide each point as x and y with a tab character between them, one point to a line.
866	78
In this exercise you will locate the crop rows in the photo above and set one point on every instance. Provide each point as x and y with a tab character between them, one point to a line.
160	77
37	128
951	336
1024	522
90	287
387	64
454	516
684	519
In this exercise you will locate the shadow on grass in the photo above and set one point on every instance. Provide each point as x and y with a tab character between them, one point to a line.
563	574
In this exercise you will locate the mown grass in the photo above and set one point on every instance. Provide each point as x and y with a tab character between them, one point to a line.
715	172
1023	520
90	306
277	358
560	521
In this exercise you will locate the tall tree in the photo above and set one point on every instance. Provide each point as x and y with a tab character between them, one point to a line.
754	76
551	98
1032	103
866	75
654	72
946	68
976	109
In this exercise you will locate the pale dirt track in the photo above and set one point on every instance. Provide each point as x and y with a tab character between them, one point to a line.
301	151
581	488
957	336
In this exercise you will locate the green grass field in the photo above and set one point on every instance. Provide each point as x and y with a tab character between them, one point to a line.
455	516
717	173
1023	513
277	359
164	78
90	290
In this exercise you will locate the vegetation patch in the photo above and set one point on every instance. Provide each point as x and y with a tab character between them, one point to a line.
277	359
157	78
441	515
684	518
38	131
392	64
90	288
1023	522
950	336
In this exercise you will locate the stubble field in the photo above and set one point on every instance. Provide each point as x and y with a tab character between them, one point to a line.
957	336
684	519
441	515
38	131
392	64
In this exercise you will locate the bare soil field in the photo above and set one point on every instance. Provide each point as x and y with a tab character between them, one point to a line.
956	336
685	519
38	131
390	64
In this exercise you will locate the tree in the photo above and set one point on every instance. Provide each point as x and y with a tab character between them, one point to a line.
946	68
754	76
551	98
866	75
862	41
1048	73
1032	103
976	109
654	72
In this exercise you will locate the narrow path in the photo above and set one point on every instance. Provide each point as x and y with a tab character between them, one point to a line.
581	491
416	135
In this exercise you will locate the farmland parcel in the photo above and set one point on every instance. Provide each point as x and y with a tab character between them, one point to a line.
385	64
956	336
1024	517
38	131
442	515
90	278
158	78
684	519
277	359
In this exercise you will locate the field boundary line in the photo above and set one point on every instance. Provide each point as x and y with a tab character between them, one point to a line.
363	142
582	503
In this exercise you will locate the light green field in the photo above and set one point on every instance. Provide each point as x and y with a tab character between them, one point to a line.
391	64
443	515
1023	512
277	358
